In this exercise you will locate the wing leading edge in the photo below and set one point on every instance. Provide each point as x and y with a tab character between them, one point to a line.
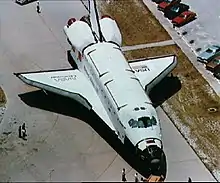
150	71
69	83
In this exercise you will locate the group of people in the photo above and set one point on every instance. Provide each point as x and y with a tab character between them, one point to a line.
136	179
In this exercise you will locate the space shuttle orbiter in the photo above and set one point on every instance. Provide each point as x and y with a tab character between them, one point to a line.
102	80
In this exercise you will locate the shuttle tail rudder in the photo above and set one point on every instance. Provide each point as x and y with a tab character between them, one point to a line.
94	19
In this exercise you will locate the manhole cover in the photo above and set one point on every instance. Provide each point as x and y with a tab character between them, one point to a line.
212	109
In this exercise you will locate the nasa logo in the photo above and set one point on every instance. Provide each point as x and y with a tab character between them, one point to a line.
63	78
142	68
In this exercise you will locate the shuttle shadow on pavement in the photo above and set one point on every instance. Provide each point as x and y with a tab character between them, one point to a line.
69	107
164	90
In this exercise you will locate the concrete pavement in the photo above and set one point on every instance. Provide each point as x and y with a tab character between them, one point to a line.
60	147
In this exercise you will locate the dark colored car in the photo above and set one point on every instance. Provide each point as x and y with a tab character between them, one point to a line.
213	63
173	11
158	1
167	3
217	72
184	18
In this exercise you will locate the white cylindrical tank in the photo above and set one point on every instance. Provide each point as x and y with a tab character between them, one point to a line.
110	30
79	34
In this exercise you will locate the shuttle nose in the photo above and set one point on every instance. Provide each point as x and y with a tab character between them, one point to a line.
149	142
150	151
155	154
155	161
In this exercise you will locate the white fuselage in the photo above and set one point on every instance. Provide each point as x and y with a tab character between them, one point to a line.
120	92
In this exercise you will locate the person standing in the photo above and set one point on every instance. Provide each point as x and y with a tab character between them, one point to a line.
19	132
123	175
136	177
23	131
38	7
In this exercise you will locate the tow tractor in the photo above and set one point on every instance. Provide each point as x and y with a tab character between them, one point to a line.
154	178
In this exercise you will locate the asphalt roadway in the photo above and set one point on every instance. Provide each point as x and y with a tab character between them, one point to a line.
60	147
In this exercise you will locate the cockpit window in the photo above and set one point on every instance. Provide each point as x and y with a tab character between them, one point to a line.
209	50
137	108
143	122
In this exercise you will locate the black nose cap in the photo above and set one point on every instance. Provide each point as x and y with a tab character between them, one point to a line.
155	155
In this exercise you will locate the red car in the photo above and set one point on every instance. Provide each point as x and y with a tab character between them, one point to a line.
184	18
167	3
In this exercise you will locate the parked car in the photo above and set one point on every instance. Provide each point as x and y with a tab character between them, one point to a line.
157	1
173	11
183	18
167	3
209	53
213	63
216	72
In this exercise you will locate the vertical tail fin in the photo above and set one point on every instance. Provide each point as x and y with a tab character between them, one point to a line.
94	19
